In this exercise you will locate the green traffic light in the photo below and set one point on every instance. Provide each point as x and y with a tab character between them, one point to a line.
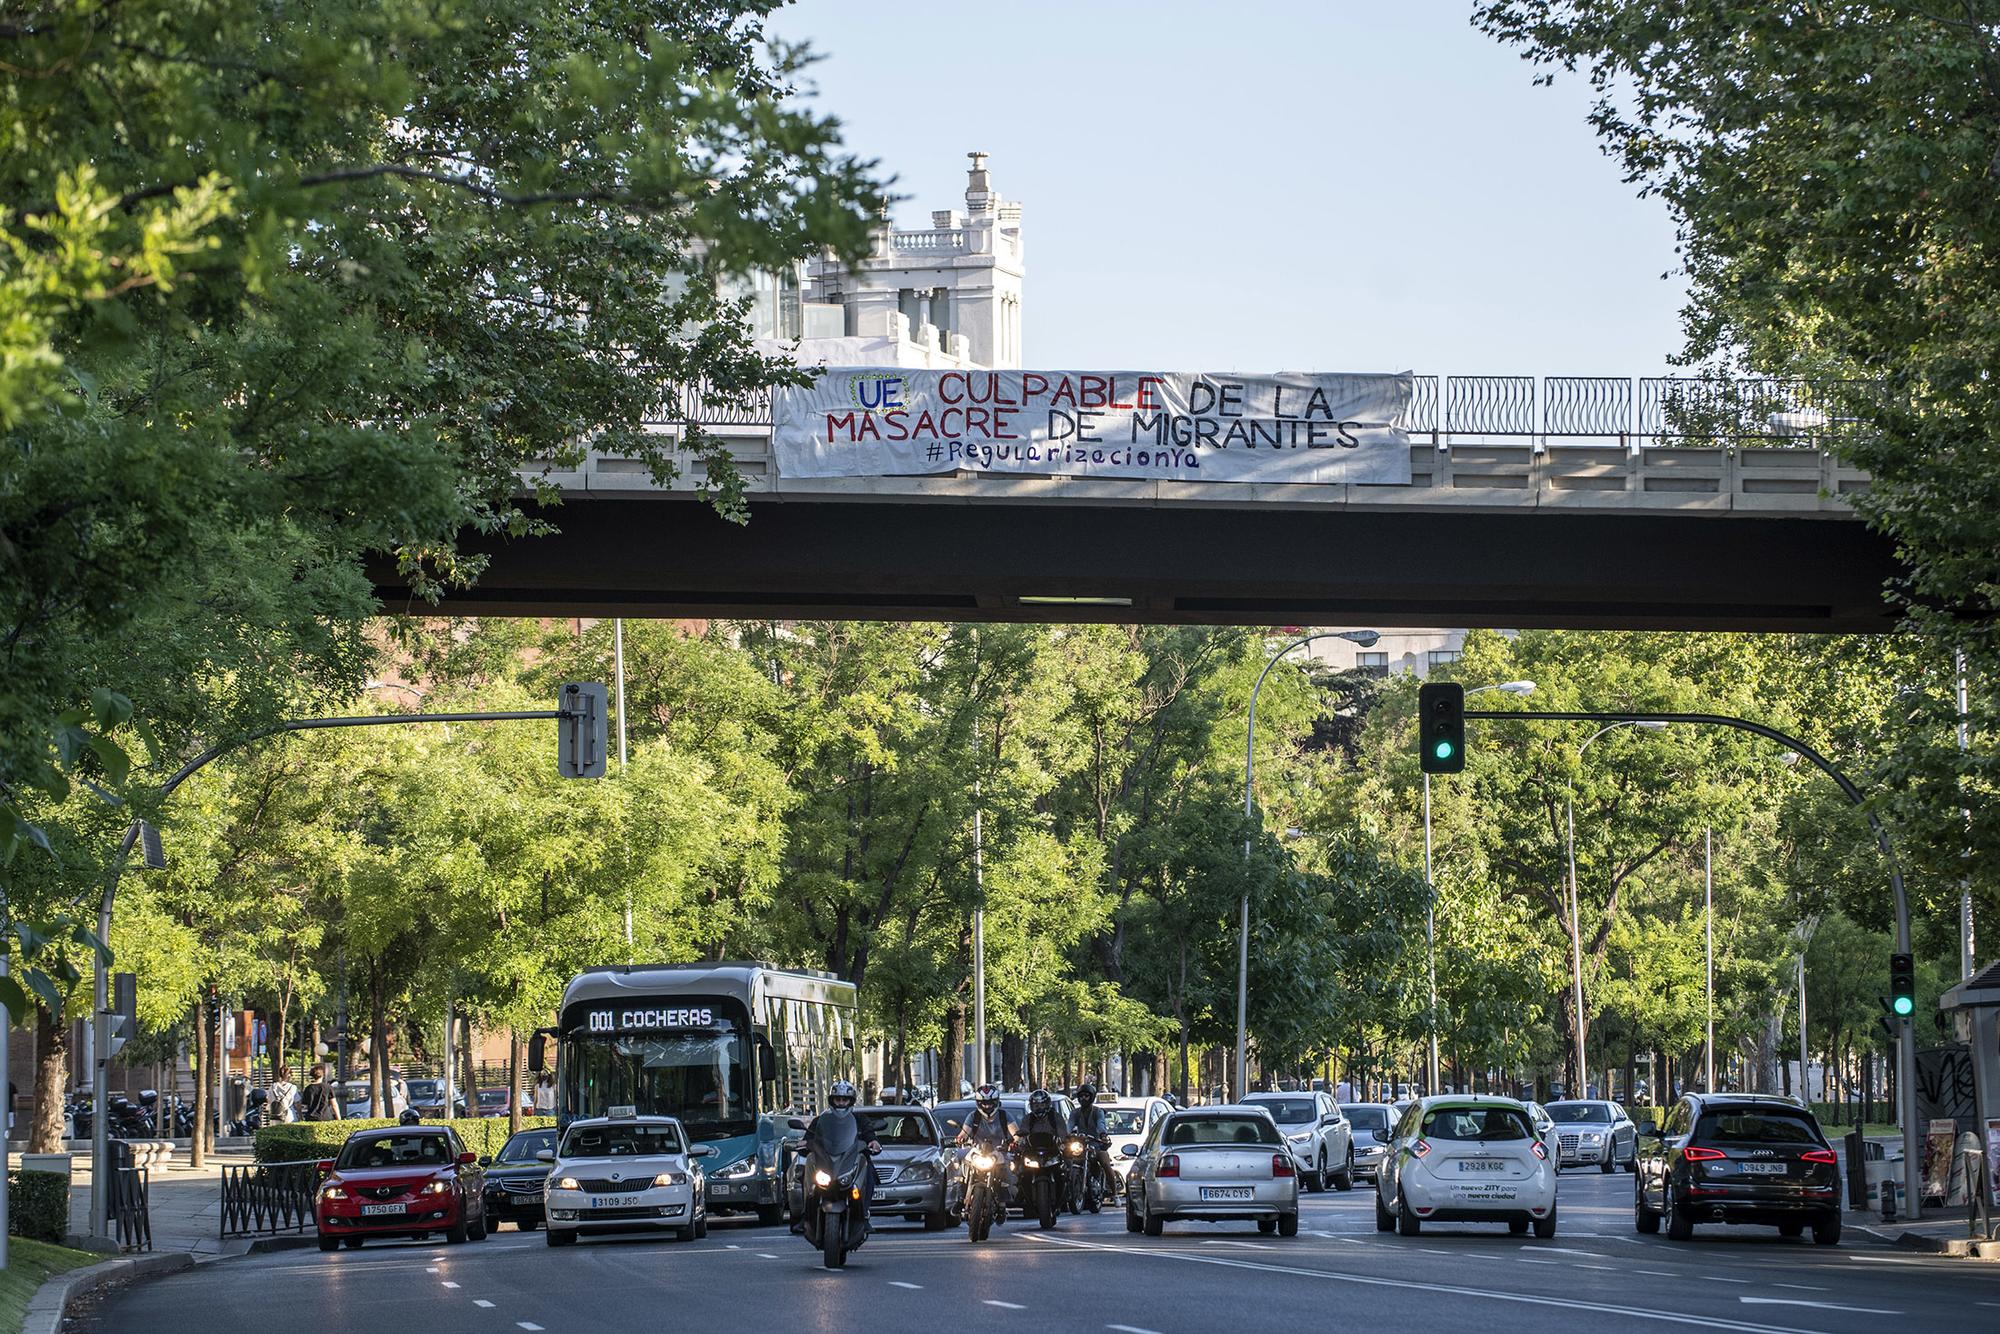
1904	1005
1442	750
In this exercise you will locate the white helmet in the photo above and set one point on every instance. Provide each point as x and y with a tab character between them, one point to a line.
841	1094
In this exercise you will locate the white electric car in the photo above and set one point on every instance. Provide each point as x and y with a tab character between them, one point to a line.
1466	1159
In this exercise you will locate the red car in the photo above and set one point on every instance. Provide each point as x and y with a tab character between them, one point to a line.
409	1182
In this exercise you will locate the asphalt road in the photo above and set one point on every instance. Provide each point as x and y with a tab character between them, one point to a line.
1597	1274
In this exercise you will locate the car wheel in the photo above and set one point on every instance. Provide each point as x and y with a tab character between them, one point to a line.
1790	1229
1384	1220
1643	1217
1407	1222
329	1243
560	1237
684	1233
477	1231
1826	1232
1267	1225
1679	1226
1344	1180
526	1224
1153	1226
1545	1228
353	1243
770	1215
1132	1223
1610	1163
1288	1225
1315	1180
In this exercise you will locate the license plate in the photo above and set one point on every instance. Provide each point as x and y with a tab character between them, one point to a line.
1227	1193
613	1201
1761	1169
369	1209
524	1199
1483	1166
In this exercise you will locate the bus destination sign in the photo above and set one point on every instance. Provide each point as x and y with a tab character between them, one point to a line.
650	1020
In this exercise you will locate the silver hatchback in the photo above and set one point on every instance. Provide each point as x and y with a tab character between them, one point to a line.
1213	1164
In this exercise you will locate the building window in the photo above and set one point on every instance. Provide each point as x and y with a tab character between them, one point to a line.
1375	664
1441	657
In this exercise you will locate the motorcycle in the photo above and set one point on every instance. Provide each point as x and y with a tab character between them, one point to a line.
837	1174
1037	1176
1076	1173
984	1196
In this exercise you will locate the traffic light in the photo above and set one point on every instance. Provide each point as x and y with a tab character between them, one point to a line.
580	732
123	1016
1441	727
1902	984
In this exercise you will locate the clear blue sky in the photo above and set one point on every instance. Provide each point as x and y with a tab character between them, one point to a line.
1354	185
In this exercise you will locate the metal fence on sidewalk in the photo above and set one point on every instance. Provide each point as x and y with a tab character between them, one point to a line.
131	1208
264	1199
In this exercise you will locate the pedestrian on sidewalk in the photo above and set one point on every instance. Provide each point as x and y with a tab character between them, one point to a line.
316	1101
284	1096
545	1094
399	1093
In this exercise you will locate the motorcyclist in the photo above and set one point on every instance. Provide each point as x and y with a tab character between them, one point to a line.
990	1128
1088	1122
840	1101
409	1116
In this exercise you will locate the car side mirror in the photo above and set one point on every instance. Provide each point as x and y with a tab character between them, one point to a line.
1128	1151
467	1159
702	1151
794	1142
795	1123
545	1155
486	1162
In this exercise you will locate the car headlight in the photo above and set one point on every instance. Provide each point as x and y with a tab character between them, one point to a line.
435	1188
736	1171
1591	1137
822	1178
567	1183
333	1193
920	1172
671	1179
1300	1139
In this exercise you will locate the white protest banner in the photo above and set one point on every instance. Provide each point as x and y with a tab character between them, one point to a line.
889	421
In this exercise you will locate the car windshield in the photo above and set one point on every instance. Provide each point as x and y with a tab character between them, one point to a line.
1475	1123
621	1141
1290	1111
1756	1125
951	1115
406	1150
523	1147
423	1090
1580	1113
1367	1118
1124	1120
904	1128
1216	1129
492	1097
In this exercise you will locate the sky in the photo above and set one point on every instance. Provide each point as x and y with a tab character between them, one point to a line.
1348	185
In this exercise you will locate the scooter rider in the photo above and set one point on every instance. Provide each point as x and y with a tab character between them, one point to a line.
990	1128
1089	1123
840	1103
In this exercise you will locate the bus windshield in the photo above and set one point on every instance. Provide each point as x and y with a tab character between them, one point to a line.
702	1078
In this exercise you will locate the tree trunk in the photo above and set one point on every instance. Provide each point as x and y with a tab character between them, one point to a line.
467	1065
951	1061
51	1073
1013	1065
378	1044
207	1114
516	1056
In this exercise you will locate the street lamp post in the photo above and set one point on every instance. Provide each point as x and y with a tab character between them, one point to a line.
1575	912
1430	909
1364	638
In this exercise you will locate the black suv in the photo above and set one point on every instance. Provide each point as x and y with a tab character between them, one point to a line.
1737	1158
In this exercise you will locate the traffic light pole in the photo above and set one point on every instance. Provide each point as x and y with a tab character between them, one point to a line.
578	713
1906	1037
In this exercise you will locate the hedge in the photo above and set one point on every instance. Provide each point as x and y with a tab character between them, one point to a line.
38	1205
302	1141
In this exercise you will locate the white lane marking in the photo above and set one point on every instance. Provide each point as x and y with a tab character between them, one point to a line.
1823	1306
1656	1273
430	1269
1246	1245
1006	1306
1715	1278
1131	1329
481	1301
527	1324
1411	1285
732	1247
765	1255
1526	1261
1566	1250
1799	1287
1881	1260
913	1287
450	1284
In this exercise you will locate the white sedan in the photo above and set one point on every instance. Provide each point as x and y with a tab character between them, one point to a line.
1466	1159
1129	1121
625	1173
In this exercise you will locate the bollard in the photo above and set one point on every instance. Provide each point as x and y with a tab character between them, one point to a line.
1889	1199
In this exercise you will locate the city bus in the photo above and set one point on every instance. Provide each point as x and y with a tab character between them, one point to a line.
737	1051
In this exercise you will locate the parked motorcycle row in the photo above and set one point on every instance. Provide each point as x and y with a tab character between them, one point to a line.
148	1118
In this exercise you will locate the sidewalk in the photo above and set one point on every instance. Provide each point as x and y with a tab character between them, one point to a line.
185	1204
1939	1231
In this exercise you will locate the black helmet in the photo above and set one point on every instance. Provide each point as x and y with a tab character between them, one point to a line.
409	1118
987	1097
1039	1101
1087	1094
841	1094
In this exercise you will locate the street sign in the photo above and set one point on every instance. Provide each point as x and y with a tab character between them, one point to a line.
1441	727
581	731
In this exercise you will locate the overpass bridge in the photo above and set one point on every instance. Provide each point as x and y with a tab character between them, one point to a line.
1566	501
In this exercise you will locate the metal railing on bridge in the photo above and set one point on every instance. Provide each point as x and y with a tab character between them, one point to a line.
264	1199
1641	412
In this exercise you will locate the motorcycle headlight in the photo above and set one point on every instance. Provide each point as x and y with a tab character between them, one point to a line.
567	1183
822	1178
982	1161
1075	1148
